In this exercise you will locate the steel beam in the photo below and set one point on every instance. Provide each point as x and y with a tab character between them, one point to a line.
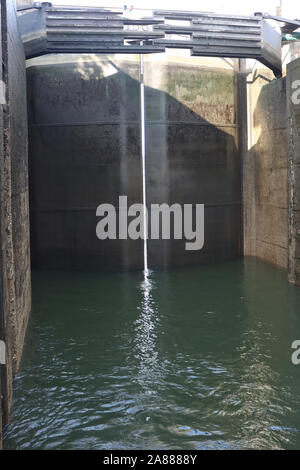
98	30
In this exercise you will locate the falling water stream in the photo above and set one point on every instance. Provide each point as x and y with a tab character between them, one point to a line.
143	155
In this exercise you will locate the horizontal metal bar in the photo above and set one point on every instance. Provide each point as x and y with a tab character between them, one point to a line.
182	44
84	18
238	37
109	49
176	43
92	32
143	21
171	14
65	36
217	51
233	23
135	123
220	16
84	23
142	34
56	20
227	43
86	10
175	29
103	42
65	33
227	22
227	28
79	26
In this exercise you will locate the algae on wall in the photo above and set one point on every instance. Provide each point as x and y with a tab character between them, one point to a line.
210	93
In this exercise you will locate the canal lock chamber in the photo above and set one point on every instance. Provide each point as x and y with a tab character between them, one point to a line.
85	150
222	329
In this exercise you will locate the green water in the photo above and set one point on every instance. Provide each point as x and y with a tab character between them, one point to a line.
192	359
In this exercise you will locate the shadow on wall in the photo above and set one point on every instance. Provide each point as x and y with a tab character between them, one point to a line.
265	176
84	150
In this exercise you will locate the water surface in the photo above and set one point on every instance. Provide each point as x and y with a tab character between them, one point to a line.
194	358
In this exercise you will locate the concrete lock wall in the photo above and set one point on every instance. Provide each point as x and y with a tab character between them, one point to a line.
293	120
14	203
84	121
265	170
271	183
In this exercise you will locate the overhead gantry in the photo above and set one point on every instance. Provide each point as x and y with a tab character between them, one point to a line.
46	29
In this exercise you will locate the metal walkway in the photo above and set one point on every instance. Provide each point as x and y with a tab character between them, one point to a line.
46	29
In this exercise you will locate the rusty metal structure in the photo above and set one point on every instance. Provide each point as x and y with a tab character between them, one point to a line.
47	29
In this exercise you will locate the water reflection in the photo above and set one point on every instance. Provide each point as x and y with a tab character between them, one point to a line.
145	336
184	359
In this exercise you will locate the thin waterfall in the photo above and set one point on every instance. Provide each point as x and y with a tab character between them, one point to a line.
143	154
